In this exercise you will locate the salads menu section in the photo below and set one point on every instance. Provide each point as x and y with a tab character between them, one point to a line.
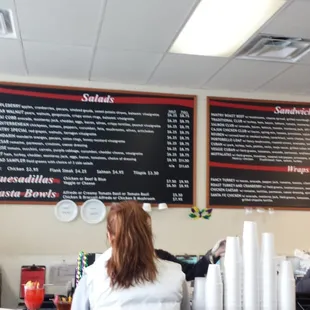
81	144
259	154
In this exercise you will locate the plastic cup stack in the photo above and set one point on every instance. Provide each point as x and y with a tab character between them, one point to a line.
250	267
268	273
232	274
199	296
286	291
250	280
241	270
214	289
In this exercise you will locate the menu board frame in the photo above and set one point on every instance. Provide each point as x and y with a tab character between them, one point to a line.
119	92
247	101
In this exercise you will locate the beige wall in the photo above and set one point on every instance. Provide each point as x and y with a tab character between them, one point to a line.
31	234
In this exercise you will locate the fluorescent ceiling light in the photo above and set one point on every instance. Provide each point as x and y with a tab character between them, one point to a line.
221	27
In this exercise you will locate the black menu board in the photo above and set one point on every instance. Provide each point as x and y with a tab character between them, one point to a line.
79	144
258	154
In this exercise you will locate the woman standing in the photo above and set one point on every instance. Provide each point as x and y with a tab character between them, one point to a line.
130	276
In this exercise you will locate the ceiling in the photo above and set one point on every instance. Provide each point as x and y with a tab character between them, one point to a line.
126	41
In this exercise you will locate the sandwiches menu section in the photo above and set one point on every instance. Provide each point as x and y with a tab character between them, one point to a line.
73	144
259	154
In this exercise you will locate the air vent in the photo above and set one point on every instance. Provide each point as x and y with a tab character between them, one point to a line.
275	48
6	24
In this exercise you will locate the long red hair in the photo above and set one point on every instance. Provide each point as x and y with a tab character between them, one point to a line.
133	255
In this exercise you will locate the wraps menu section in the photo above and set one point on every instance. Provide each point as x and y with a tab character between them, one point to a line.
259	154
77	144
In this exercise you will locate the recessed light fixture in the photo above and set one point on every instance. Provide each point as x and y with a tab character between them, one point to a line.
7	29
220	27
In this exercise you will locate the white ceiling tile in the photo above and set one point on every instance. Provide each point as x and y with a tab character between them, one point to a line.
305	59
291	21
147	25
11	60
295	80
7	4
245	75
124	66
69	22
186	70
57	60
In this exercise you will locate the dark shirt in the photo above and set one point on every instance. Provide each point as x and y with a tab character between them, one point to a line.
303	285
191	271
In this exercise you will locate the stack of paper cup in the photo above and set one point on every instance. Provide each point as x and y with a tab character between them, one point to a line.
232	274
250	267
287	297
214	289
268	273
199	294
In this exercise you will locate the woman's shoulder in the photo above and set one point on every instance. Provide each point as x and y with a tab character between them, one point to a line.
170	277
168	266
99	267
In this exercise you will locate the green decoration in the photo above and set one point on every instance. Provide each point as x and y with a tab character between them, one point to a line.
196	213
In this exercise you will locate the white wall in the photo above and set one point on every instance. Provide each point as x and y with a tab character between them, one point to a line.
31	234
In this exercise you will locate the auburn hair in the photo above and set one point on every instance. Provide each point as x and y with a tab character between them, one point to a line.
133	259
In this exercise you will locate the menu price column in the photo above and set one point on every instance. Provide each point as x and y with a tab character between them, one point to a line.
184	140
184	145
172	138
172	146
178	149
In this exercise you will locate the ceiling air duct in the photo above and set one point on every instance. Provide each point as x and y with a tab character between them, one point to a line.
274	48
6	24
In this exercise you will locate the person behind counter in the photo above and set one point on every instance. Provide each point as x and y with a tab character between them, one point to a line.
199	269
129	275
303	284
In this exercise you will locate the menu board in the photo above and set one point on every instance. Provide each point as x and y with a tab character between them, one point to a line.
258	154
79	144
